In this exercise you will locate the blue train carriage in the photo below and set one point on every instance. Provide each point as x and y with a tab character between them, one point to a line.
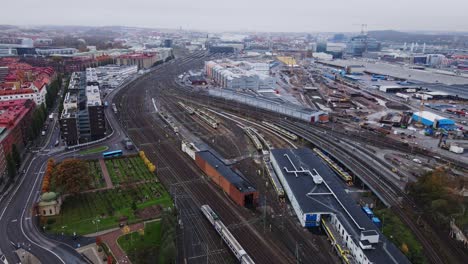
368	212
112	154
377	222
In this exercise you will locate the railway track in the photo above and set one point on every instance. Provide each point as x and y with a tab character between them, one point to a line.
400	203
149	134
433	244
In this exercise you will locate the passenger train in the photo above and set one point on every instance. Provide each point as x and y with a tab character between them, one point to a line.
228	238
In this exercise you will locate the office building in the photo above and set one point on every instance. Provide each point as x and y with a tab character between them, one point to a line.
358	45
83	119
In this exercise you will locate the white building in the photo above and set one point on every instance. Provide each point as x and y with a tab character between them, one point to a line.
37	94
322	56
49	52
240	74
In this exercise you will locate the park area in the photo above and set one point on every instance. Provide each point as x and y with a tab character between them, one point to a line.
135	195
153	244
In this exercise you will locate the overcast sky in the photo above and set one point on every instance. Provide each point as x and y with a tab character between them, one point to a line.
243	15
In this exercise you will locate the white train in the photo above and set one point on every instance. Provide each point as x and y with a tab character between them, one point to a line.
280	130
228	238
253	137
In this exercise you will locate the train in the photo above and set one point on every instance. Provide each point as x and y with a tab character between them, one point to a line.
187	108
343	174
207	118
280	130
253	137
166	118
228	238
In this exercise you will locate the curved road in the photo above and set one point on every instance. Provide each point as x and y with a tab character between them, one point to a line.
17	229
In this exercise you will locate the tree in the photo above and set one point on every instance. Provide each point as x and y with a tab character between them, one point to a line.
11	166
43	113
72	176
16	155
134	206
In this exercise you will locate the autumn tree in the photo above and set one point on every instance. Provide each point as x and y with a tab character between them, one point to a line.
72	176
434	191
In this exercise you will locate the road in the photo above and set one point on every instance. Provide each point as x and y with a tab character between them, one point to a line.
18	222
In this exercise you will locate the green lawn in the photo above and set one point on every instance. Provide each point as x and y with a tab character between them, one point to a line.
96	174
109	206
150	240
94	150
137	185
128	170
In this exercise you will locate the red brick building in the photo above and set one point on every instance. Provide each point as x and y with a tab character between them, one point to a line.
234	184
15	118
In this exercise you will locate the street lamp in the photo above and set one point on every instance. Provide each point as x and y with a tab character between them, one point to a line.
96	222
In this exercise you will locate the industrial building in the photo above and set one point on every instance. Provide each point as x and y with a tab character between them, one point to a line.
430	119
240	74
112	76
278	105
142	60
318	198
82	118
398	89
232	182
360	44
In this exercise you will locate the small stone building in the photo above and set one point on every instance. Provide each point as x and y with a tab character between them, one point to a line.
50	204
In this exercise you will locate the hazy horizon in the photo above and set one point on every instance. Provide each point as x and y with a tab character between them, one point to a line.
244	15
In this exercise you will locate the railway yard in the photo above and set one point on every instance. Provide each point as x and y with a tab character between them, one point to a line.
158	114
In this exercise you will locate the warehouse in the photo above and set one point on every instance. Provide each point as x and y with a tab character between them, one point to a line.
318	198
430	119
398	89
238	188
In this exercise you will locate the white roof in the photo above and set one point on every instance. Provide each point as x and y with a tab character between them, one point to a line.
429	116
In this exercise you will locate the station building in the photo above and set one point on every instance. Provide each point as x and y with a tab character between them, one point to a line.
232	182
319	199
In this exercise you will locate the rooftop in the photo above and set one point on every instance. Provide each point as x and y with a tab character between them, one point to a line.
317	189
233	177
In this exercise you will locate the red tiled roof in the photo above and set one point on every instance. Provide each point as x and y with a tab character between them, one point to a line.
138	55
11	112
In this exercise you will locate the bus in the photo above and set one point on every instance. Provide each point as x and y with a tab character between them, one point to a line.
111	154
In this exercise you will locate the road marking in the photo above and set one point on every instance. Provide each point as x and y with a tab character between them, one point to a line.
14	220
